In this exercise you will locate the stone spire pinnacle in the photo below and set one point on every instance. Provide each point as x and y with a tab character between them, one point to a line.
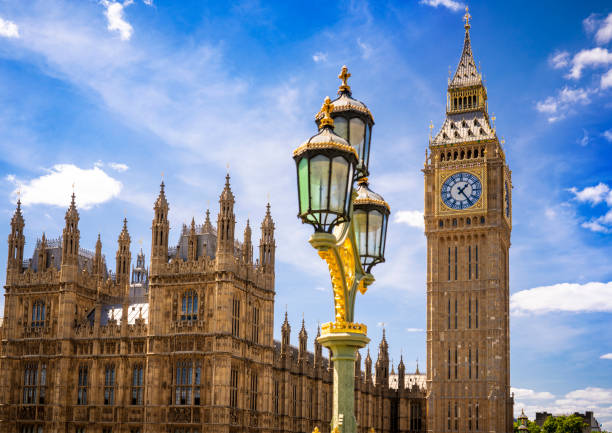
267	246
97	263
466	74
247	245
124	256
207	227
285	335
159	231
192	241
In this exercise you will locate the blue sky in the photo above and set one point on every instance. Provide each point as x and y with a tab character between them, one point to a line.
109	95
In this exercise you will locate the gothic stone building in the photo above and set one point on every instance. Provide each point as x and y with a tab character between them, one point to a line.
183	347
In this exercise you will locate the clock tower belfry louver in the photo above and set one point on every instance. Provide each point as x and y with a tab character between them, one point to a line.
468	220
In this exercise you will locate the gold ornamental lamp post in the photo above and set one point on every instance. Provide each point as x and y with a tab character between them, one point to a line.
350	228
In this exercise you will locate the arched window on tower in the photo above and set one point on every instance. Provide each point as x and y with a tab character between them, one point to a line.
189	306
38	313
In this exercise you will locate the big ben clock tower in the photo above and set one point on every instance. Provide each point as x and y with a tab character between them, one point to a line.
468	220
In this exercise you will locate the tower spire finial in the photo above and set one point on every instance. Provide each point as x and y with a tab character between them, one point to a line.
467	17
344	76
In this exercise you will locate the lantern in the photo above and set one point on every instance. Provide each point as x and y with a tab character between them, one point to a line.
325	168
370	218
353	122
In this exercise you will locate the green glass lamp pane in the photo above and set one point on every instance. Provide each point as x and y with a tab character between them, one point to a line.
319	182
303	184
340	169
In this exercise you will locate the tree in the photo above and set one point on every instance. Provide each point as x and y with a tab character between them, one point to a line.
563	424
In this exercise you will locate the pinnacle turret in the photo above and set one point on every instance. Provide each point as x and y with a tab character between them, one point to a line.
159	231
247	245
285	335
70	242
226	223
267	245
16	241
124	256
192	242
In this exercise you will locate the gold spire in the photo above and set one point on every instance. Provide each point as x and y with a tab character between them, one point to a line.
326	110
467	17
344	75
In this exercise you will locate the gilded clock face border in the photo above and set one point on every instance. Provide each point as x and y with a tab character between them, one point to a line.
508	181
479	206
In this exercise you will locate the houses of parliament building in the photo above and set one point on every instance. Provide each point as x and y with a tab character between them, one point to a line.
186	344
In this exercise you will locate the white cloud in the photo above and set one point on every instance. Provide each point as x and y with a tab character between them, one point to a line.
366	49
549	105
580	400
529	394
569	297
591	57
585	138
606	356
319	57
606	80
595	226
593	194
591	23
415	330
608	135
323	289
450	4
566	100
116	22
604	33
92	186
559	60
413	218
8	29
117	166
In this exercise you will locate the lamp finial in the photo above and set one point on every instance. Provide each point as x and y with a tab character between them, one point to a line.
326	109
344	75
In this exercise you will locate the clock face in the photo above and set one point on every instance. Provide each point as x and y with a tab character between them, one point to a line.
461	191
507	202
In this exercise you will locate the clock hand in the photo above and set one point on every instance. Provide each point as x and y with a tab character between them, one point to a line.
467	198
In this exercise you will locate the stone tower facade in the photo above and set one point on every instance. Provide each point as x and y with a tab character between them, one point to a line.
468	221
185	346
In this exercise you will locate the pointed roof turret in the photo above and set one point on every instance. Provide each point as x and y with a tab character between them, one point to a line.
226	194
268	222
17	219
161	198
192	230
417	367
72	213
467	73
207	227
124	235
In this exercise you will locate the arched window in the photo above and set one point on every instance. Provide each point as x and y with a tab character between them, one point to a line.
38	313
187	382
189	306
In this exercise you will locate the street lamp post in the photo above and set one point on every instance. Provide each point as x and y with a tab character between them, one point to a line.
350	227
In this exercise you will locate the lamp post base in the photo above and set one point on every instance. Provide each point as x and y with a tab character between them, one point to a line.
344	346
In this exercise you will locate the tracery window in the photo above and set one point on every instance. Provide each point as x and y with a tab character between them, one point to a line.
255	325
31	385
31	429
187	382
276	396
234	387
109	385
137	384
253	400
189	306
82	385
236	317
38	314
